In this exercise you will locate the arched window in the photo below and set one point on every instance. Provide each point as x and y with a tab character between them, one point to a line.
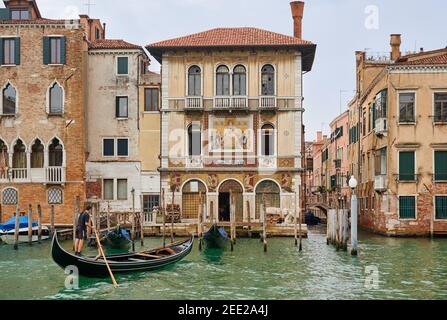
56	96
268	80
194	140
268	194
194	81
10	196
55	154
222	81
37	154
267	140
3	160
9	99
239	81
19	155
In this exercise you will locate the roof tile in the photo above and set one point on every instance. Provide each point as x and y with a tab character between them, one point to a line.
112	44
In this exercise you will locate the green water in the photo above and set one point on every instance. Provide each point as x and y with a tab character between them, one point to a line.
408	269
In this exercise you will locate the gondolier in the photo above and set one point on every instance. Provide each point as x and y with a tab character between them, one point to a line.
82	229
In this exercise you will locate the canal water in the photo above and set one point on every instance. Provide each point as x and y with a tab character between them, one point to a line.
406	269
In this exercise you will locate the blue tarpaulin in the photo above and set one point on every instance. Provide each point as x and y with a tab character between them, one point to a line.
11	224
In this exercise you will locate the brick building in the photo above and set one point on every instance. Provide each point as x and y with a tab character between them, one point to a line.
42	115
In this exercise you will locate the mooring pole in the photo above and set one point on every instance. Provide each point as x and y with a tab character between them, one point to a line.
296	221
300	221
52	221
142	215
199	222
133	219
108	216
30	225
249	219
172	215
17	229
354	212
39	223
163	214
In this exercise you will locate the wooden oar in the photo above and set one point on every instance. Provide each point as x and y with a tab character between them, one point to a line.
101	251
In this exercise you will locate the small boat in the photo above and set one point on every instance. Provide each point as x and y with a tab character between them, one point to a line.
7	231
95	267
118	239
311	220
215	237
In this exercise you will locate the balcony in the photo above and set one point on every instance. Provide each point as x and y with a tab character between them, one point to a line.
194	103
381	183
381	126
55	175
230	103
267	103
50	175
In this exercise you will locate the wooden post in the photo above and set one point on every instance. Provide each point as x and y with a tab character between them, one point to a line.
17	229
231	221
1	214
52	228
163	214
300	221
296	221
172	215
30	225
108	217
133	219
39	223
199	222
75	218
264	225
142	215
249	219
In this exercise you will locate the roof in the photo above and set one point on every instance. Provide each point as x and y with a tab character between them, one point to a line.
435	57
112	44
35	21
236	38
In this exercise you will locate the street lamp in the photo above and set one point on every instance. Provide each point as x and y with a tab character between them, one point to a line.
353	184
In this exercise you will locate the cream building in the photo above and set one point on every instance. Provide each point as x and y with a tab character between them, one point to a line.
231	119
399	119
115	70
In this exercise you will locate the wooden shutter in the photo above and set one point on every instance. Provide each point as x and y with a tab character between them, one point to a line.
63	50
17	51
440	165
407	207
406	166
46	50
5	14
374	115
441	207
1	51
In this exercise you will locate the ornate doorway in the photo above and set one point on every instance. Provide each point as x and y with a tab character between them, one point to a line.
235	188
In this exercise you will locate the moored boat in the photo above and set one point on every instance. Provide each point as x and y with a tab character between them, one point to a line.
7	231
215	237
95	267
118	238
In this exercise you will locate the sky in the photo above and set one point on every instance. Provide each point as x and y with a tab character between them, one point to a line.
338	27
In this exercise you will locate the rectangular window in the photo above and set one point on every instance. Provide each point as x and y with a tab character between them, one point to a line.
123	147
108	189
123	65
441	207
440	107
122	107
22	14
407	207
440	165
55	50
407	107
122	189
381	162
150	202
407	166
151	99
8	52
108	147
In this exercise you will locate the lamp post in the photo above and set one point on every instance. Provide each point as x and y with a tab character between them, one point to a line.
354	208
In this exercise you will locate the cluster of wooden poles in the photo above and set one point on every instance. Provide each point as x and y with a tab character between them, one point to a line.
30	224
249	224
337	228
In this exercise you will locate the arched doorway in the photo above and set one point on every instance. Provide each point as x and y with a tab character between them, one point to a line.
235	188
190	198
269	192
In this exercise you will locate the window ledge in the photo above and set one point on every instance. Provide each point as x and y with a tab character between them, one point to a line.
121	118
151	112
412	123
55	114
55	64
8	65
408	219
439	123
8	115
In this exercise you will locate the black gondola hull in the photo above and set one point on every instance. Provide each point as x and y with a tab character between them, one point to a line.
215	237
92	268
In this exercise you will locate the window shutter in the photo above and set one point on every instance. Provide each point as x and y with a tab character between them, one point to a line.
374	115
1	51
406	166
5	14
440	165
17	51
46	50
63	50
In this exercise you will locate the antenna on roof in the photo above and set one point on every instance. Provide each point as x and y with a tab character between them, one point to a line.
89	5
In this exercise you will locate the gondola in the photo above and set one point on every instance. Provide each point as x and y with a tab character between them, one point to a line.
215	237
95	267
118	239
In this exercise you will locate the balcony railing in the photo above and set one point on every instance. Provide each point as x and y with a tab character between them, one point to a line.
267	102
55	175
194	162
194	103
3	174
230	103
19	174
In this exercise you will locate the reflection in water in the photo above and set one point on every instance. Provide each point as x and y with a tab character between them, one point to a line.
408	269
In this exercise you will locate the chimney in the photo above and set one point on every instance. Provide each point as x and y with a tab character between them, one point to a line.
395	46
319	136
104	30
297	14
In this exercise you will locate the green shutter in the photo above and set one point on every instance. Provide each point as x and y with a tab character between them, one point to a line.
1	51
46	50
63	50
374	115
5	14
407	207
123	65
441	207
406	166
17	51
441	165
